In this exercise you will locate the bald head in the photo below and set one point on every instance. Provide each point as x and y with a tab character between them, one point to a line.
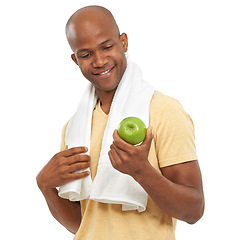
98	48
89	17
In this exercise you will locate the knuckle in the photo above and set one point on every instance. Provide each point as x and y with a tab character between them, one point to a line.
57	155
63	176
114	164
60	163
80	149
84	165
82	158
83	174
85	157
79	166
75	158
61	171
132	151
87	164
71	151
117	141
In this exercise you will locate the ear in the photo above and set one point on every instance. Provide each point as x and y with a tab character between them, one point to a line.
74	58
124	40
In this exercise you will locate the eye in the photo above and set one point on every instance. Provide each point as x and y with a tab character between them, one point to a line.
108	47
85	55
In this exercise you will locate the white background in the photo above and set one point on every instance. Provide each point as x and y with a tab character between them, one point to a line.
187	49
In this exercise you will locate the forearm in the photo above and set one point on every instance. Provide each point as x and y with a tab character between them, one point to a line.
63	168
179	201
65	212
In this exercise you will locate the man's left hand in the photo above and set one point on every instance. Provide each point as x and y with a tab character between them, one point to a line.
127	158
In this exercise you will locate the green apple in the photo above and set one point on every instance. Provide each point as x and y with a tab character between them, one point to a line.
132	130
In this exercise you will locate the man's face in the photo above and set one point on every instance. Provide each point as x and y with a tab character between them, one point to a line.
99	52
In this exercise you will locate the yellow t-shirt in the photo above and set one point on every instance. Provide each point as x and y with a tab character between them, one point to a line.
173	143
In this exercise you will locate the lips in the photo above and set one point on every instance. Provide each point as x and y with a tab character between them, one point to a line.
104	73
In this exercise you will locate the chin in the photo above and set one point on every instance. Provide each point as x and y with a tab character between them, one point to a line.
107	85
107	88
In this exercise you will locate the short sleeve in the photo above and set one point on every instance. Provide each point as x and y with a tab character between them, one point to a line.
173	131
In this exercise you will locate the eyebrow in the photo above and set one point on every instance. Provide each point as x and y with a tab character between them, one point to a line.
108	40
87	49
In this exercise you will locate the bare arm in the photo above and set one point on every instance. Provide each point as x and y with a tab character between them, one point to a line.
178	192
59	171
65	212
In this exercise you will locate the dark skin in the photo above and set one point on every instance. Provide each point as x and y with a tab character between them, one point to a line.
98	50
178	191
98	47
57	172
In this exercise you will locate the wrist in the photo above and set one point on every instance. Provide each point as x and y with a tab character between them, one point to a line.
144	172
42	184
49	193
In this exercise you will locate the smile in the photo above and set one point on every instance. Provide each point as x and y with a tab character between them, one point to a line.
105	72
102	73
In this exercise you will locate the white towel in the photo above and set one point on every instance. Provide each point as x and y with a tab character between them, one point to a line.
132	98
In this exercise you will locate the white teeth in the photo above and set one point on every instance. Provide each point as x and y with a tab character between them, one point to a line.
102	73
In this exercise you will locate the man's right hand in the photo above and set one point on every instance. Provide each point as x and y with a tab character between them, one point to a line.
62	168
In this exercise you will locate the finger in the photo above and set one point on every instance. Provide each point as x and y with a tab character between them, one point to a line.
66	147
111	158
74	151
75	176
78	167
149	136
118	150
77	158
121	144
114	158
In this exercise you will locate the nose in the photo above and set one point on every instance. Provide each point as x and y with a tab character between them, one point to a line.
99	60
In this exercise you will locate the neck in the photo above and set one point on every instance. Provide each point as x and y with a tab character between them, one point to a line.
106	100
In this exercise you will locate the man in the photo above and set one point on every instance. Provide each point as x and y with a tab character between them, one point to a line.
165	164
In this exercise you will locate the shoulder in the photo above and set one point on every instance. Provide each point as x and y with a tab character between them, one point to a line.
166	109
163	104
173	131
161	101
